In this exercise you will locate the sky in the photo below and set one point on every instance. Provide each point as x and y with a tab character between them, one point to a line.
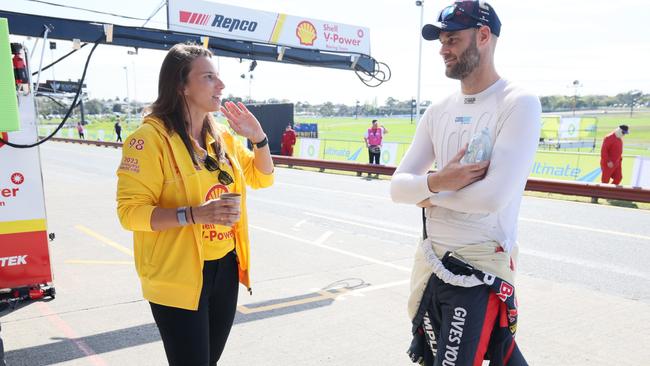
544	45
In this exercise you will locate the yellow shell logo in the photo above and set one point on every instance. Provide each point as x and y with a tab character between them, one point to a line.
306	33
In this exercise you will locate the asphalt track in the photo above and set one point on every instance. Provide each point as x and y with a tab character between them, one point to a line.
331	263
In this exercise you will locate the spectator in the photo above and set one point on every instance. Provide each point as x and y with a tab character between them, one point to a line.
611	155
288	140
80	130
374	137
118	130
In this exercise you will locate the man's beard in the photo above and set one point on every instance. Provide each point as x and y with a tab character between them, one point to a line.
467	62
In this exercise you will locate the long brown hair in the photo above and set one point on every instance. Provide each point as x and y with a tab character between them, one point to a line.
171	106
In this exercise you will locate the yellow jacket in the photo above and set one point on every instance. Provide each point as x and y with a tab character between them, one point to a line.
157	171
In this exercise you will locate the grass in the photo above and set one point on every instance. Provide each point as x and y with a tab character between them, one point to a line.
401	130
637	142
351	129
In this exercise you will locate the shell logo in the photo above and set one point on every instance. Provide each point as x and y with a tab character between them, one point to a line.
215	192
306	33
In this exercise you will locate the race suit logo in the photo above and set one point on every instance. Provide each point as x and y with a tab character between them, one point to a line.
452	348
463	120
505	291
306	33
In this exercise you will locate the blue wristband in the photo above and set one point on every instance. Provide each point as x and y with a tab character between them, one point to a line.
180	215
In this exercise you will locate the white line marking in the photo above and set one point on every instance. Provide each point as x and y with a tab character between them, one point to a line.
585	263
375	227
299	224
301	208
318	243
348	193
381	287
407	231
323	238
577	227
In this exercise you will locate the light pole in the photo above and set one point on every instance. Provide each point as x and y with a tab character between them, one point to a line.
251	68
576	85
356	111
250	84
128	110
412	107
135	83
250	88
52	48
419	3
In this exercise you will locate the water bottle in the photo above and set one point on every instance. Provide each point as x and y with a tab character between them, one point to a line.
479	149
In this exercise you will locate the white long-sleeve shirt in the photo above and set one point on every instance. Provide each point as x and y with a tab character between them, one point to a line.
487	209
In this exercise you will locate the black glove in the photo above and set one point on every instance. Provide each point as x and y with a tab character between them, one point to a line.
416	349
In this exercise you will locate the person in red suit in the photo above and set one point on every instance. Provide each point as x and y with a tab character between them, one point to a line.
288	140
20	68
611	155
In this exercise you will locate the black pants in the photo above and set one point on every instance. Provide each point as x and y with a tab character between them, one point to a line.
197	338
374	157
469	323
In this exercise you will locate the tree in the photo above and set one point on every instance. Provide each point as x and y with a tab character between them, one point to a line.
631	98
232	98
93	106
391	103
326	109
117	108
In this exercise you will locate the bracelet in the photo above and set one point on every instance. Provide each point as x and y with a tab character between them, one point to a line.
180	215
262	143
192	215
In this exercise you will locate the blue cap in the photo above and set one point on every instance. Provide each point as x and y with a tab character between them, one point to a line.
463	14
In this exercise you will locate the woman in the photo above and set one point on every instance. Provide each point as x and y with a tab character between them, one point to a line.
191	247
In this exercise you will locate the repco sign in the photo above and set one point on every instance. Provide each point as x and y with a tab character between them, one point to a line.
218	21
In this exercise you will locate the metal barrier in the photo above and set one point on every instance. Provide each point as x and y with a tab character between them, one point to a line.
607	191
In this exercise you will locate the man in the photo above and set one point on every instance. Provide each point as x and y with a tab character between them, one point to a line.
118	130
80	130
288	140
462	300
611	155
373	139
